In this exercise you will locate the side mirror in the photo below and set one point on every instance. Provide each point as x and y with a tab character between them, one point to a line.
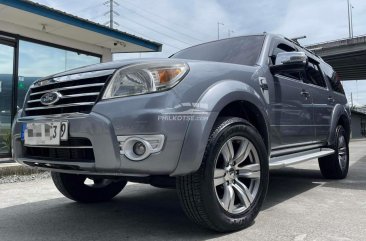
289	62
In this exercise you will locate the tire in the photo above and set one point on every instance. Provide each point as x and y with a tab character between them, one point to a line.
336	166
73	187
205	200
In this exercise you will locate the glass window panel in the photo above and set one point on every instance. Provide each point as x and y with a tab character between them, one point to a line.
6	84
37	61
76	60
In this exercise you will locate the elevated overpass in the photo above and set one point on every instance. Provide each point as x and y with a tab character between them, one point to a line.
346	56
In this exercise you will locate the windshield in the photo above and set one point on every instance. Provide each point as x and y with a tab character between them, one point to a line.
240	50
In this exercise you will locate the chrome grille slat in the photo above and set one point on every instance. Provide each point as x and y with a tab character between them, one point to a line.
75	95
60	106
74	77
69	96
68	88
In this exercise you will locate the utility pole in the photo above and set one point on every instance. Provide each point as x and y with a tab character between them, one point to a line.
350	19
111	13
218	29
351	101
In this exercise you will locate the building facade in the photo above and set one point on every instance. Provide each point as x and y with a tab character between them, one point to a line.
358	125
37	41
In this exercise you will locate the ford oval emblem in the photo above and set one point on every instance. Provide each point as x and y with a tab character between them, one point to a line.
50	98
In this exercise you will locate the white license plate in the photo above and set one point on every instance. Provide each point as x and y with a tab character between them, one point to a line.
46	133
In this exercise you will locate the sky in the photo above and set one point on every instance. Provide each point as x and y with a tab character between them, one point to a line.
179	24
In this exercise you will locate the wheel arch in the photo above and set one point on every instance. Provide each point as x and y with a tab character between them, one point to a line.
339	117
251	113
220	99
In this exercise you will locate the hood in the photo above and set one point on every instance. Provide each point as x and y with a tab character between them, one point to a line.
112	65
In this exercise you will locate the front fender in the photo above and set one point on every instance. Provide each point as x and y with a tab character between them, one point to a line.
214	99
338	111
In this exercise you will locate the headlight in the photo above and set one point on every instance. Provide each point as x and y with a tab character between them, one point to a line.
145	78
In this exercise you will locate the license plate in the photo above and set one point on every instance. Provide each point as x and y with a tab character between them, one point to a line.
47	133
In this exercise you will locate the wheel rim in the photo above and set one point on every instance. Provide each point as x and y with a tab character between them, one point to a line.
342	152
237	174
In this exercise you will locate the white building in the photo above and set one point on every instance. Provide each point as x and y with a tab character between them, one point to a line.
36	41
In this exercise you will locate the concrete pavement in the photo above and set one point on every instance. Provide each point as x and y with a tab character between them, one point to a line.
300	206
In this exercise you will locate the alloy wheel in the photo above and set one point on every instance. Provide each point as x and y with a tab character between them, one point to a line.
237	174
342	152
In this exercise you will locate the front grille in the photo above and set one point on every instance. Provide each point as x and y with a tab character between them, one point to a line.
73	150
76	96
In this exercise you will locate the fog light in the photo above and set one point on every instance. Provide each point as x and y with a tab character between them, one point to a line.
139	148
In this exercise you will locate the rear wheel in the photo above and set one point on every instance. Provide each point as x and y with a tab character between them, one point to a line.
80	188
336	166
226	193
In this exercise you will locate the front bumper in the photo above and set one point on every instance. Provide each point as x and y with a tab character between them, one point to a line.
138	115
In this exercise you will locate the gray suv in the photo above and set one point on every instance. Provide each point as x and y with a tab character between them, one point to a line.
210	121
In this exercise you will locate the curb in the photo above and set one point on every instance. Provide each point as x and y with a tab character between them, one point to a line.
9	169
6	160
358	139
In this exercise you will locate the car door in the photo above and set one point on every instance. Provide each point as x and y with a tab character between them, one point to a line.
291	110
323	99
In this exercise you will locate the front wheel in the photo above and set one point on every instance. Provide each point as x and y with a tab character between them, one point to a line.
228	190
80	188
336	166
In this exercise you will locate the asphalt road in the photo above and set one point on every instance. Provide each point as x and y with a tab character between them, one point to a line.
300	206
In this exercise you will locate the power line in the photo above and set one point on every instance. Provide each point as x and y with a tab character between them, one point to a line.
148	37
162	25
97	16
158	16
154	30
111	12
87	8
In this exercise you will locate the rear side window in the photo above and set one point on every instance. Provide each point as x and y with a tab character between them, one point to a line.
333	79
314	76
336	84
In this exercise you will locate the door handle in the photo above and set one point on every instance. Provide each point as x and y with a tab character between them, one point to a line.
263	86
263	83
331	99
305	93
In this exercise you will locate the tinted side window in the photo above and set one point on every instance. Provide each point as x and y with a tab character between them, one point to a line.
314	75
334	80
293	75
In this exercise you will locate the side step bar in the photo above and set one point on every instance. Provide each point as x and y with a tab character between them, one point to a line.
287	160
